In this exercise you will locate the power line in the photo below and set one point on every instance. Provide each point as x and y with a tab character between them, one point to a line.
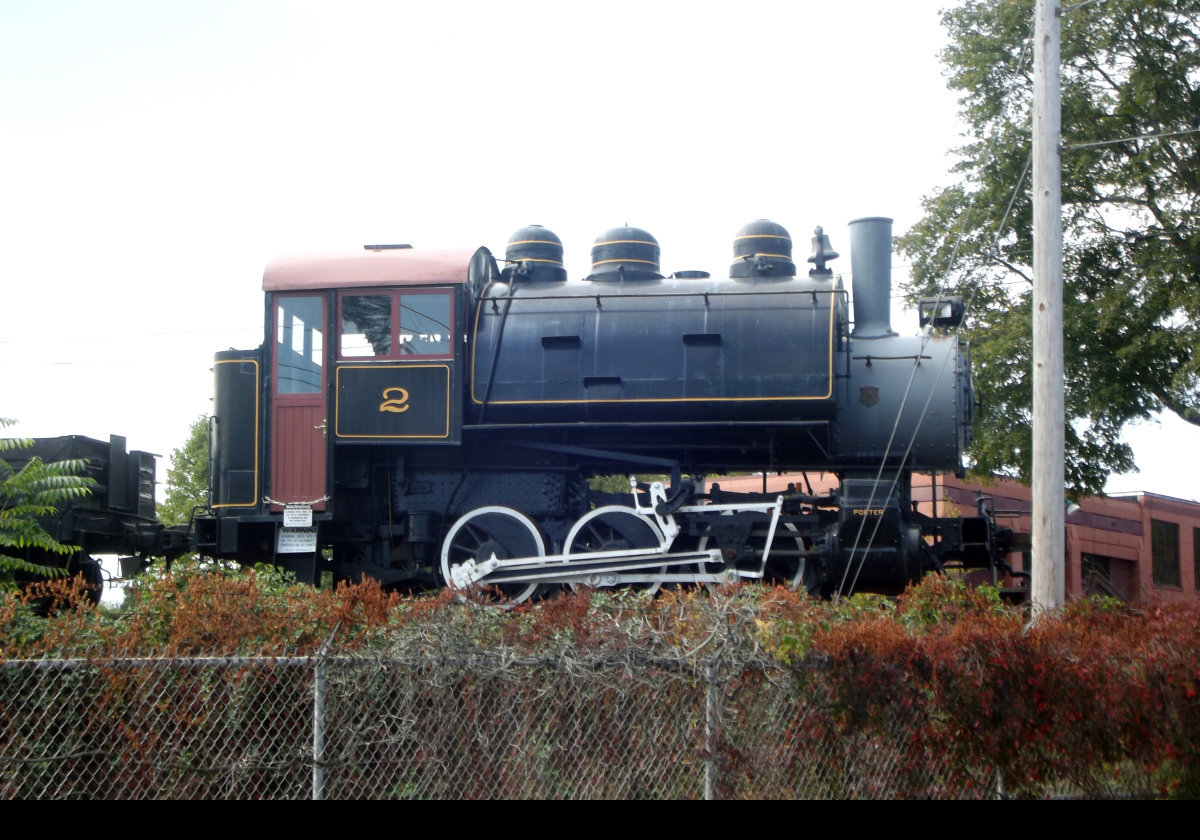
1072	146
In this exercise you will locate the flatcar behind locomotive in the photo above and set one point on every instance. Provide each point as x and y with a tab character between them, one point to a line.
433	417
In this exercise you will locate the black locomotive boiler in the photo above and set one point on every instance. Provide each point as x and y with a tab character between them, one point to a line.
435	417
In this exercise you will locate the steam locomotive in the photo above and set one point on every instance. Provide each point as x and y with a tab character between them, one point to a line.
434	418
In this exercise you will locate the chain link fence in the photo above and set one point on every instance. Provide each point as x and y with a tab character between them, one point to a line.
479	726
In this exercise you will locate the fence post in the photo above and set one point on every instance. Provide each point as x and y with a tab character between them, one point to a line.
712	712
318	774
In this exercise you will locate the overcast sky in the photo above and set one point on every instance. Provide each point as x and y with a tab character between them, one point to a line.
156	155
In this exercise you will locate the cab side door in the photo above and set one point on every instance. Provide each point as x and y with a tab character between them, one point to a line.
299	384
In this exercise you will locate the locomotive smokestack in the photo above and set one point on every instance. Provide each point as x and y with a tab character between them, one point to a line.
871	267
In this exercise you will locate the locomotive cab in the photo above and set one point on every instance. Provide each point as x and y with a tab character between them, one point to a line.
361	349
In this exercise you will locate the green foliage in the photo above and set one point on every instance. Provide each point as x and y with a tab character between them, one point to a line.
28	493
187	489
187	477
619	483
275	580
939	600
1131	223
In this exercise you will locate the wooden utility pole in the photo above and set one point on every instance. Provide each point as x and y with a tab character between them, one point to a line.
1049	415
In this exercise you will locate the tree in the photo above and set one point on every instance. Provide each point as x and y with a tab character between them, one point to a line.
187	477
187	489
27	493
1131	223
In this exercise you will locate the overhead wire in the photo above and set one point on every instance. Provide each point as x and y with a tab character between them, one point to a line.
1152	136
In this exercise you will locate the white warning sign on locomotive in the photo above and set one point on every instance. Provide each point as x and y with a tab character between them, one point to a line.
297	515
296	541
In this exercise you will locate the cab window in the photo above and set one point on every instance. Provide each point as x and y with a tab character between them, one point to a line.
396	324
425	324
366	326
299	347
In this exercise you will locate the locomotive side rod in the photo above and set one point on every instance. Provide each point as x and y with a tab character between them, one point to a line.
576	568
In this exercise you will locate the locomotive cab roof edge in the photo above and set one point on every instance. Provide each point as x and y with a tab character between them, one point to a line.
368	268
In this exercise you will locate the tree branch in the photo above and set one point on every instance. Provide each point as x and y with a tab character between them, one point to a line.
996	258
1176	406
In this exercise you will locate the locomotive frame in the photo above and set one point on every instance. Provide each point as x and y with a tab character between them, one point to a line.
433	418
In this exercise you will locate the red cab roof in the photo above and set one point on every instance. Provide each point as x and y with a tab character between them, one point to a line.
393	267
